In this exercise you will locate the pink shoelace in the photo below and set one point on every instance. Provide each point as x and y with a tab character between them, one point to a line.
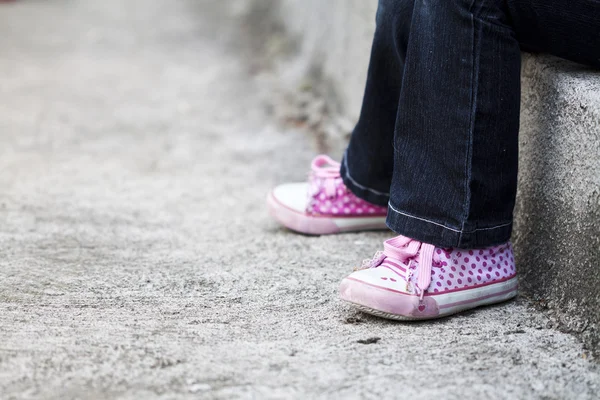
407	250
328	170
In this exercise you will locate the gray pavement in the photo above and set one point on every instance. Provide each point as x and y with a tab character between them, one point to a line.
136	257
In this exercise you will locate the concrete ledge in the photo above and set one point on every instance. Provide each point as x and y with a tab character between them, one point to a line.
557	234
557	231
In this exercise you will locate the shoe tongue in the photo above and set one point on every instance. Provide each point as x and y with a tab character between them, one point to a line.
391	251
401	248
404	249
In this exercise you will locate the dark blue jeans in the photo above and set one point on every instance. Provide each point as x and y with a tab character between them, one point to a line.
437	136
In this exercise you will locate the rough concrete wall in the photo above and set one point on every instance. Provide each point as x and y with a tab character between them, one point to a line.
336	41
557	217
330	41
557	231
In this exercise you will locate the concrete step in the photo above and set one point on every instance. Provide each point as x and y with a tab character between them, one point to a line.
557	225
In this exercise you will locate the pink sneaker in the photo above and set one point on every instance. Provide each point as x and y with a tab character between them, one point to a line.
323	205
411	280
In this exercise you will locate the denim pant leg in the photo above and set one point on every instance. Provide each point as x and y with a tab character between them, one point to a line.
369	160
455	164
442	104
567	29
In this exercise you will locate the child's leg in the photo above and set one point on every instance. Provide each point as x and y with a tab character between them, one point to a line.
369	161
355	196
455	170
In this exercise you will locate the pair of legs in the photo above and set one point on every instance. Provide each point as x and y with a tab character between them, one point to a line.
437	136
434	154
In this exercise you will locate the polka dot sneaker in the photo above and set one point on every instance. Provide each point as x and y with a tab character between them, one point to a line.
323	205
411	280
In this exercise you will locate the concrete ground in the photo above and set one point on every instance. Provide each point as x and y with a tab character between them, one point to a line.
137	260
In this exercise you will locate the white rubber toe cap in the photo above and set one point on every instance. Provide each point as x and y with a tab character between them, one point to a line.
292	195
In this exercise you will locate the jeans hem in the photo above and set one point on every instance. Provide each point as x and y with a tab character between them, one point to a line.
361	191
432	232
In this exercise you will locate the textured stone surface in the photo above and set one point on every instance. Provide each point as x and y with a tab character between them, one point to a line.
557	223
557	232
136	258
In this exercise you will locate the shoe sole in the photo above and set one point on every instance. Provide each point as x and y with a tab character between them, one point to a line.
391	304
321	225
